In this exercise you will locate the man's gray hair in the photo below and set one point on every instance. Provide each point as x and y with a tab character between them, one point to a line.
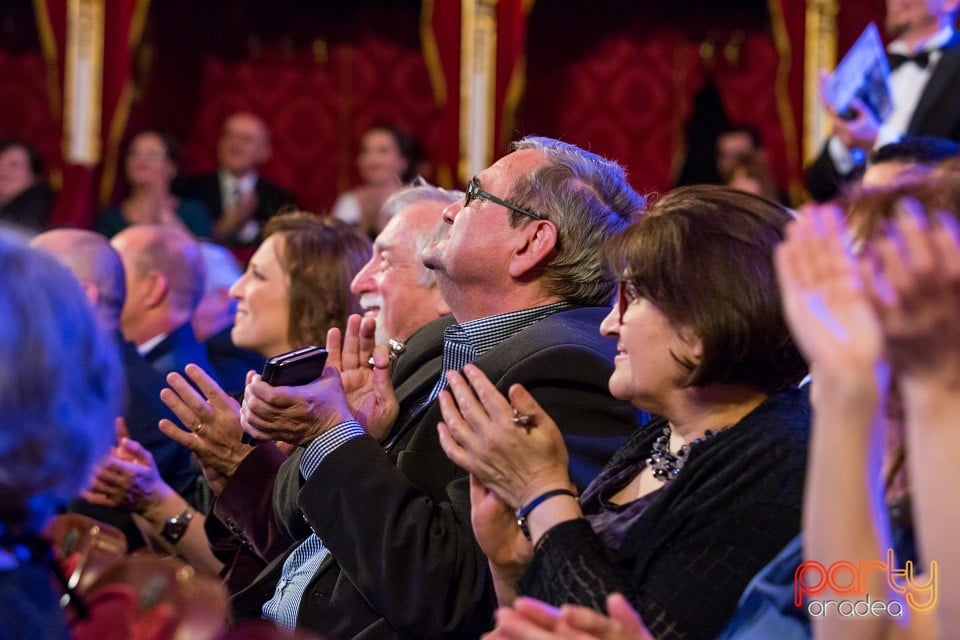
60	384
589	200
176	254
411	195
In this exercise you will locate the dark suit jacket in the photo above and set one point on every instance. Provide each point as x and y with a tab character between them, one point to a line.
271	198
403	558
30	209
937	114
179	349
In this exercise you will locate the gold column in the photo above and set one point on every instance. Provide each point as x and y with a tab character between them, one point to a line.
478	74
820	52
83	94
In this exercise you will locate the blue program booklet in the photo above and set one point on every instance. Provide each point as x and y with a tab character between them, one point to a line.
863	73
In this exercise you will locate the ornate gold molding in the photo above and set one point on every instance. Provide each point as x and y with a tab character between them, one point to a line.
820	52
83	82
788	125
478	65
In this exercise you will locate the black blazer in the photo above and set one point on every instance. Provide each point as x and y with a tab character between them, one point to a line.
403	558
937	114
271	198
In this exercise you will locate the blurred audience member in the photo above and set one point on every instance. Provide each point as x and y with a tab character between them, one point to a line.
151	163
25	201
395	287
214	317
60	388
100	272
388	158
165	277
752	174
239	200
910	159
734	144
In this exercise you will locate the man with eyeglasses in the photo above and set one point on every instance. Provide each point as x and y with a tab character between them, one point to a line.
389	551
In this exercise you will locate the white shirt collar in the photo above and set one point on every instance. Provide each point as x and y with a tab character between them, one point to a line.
148	346
937	40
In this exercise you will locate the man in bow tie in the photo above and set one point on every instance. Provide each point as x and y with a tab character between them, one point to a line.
925	83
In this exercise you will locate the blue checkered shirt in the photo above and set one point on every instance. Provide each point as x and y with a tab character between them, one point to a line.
462	344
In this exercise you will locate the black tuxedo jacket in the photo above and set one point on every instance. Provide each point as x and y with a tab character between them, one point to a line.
271	198
937	114
179	349
403	559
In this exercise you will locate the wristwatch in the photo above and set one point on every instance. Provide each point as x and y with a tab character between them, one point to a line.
175	527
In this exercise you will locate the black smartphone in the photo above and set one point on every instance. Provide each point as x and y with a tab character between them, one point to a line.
292	369
295	368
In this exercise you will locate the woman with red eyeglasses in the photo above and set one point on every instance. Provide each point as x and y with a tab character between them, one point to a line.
702	496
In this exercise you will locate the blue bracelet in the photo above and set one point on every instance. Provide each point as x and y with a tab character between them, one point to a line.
525	511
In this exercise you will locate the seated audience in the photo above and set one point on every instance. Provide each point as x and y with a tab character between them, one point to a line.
734	144
296	288
389	157
25	200
151	163
97	266
239	200
701	497
60	388
390	553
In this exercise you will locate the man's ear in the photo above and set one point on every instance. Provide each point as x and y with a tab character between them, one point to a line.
537	246
156	289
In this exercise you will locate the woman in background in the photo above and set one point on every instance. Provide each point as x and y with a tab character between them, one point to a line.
151	164
389	158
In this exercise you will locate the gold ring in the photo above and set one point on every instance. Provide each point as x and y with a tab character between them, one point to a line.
199	428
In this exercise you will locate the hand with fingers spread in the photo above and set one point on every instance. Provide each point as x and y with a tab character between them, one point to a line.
825	300
918	294
368	389
480	434
531	619
296	415
214	419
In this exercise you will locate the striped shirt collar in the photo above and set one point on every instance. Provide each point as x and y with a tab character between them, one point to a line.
484	334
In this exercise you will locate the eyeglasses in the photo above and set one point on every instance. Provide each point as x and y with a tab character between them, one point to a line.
627	294
474	191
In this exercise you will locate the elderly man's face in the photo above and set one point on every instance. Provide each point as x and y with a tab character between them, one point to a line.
243	144
479	246
387	284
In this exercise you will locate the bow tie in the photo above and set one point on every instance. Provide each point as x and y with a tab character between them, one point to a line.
921	59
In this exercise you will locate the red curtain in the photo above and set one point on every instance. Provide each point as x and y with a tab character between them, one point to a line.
123	21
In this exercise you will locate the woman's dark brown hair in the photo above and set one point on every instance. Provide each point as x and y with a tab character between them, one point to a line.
321	257
704	257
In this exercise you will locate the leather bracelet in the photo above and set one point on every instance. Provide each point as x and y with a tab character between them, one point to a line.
523	512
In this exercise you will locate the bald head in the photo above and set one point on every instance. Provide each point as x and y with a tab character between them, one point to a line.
165	277
94	263
244	144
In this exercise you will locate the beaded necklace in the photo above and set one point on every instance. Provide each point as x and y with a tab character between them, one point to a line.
665	464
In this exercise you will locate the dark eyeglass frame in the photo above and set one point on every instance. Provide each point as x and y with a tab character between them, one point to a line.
473	191
627	294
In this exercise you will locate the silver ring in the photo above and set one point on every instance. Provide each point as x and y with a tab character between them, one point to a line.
522	419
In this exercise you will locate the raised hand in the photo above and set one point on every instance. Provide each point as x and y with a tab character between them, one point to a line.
918	294
479	434
214	420
368	390
127	479
531	619
825	300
